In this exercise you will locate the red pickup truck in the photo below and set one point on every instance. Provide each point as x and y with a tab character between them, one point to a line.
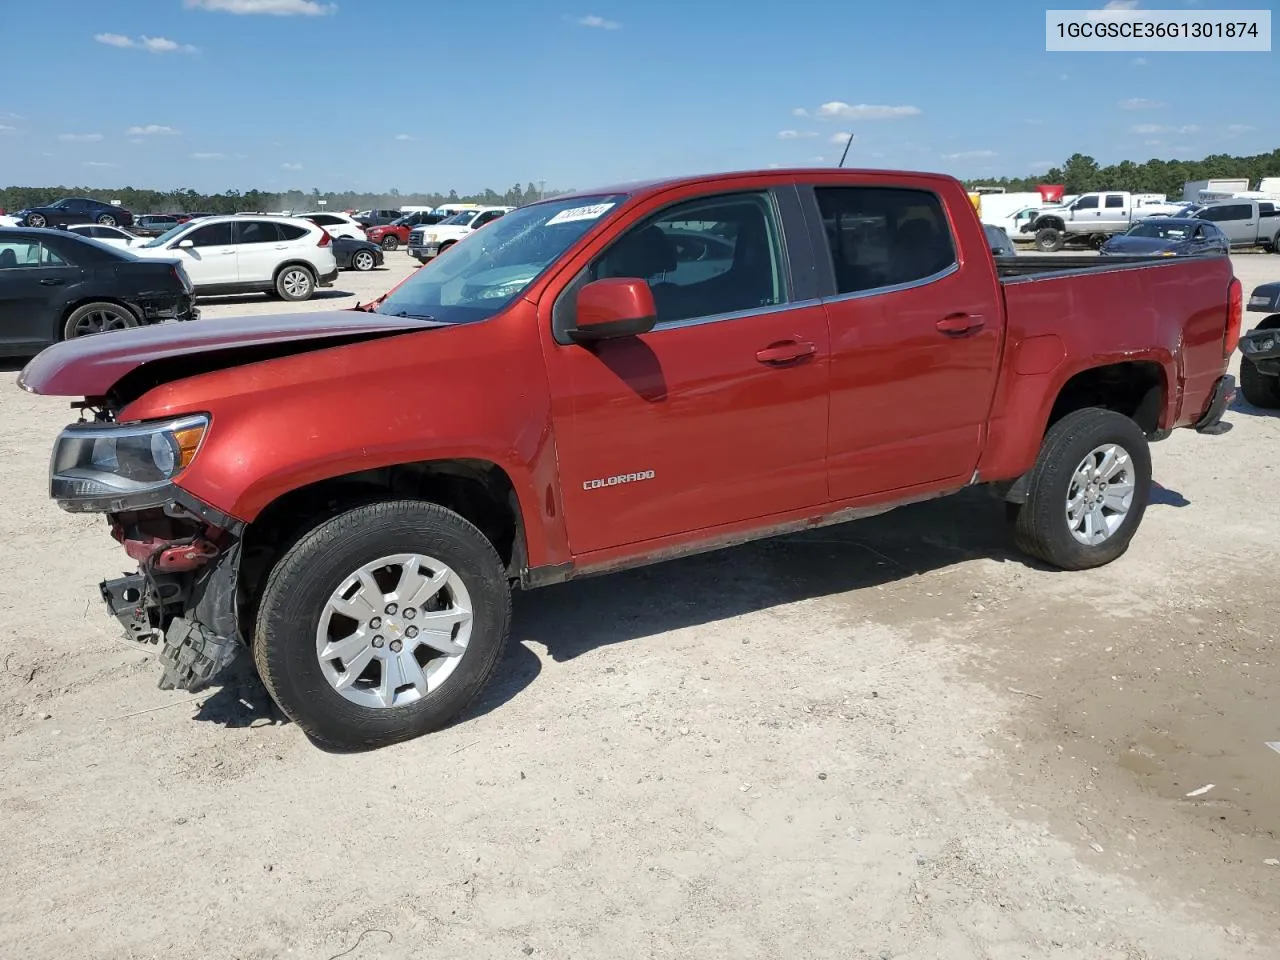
607	380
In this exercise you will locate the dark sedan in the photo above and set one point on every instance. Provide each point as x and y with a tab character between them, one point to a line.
154	224
1167	237
55	285
353	254
63	213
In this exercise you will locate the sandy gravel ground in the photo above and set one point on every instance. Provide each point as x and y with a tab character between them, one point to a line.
894	739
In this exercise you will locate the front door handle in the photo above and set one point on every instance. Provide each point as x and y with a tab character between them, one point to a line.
52	281
960	324
786	351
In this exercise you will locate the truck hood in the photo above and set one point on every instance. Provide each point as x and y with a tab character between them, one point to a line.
90	366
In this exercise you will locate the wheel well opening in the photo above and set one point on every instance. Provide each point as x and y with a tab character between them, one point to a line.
294	263
478	491
1269	323
1133	388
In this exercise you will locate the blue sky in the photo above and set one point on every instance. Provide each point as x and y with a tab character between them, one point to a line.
429	95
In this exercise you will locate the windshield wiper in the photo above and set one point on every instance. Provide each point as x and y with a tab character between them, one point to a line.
415	316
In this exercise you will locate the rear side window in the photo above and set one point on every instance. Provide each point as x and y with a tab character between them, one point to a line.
1114	201
884	236
257	231
325	220
291	231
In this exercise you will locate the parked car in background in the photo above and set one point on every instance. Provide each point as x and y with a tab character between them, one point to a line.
1090	218
617	395
1179	212
362	255
1246	223
1167	237
63	213
153	224
1001	245
428	242
1260	350
111	236
284	257
57	285
376	218
338	224
396	234
188	217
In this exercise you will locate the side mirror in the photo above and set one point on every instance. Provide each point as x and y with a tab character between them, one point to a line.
613	308
186	244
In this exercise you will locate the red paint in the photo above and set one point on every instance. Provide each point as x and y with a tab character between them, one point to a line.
719	431
156	556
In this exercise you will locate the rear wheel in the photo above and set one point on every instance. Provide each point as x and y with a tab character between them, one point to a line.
382	624
1087	492
295	283
1049	240
107	220
97	318
390	242
1258	388
362	260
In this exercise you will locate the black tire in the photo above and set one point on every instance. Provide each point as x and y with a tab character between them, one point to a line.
36	220
390	242
1259	389
363	261
1049	240
100	317
301	583
1040	524
107	220
295	283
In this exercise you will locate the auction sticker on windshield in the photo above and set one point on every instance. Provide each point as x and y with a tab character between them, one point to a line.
593	212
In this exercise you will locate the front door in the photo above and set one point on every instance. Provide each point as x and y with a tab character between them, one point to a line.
915	337
716	416
211	260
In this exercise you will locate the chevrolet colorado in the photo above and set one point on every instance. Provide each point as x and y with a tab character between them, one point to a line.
602	381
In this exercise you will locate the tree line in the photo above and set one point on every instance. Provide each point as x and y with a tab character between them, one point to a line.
186	200
1082	174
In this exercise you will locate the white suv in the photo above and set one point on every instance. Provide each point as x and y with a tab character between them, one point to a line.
285	257
338	224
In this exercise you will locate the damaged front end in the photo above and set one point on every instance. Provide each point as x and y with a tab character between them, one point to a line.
183	596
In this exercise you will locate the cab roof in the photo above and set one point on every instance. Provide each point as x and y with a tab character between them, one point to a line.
639	188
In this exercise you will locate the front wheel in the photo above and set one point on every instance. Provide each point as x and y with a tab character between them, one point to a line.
1049	240
295	283
107	220
390	242
363	261
382	624
1087	491
36	220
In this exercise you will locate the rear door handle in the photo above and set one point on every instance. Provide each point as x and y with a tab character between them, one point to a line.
960	324
52	281
786	351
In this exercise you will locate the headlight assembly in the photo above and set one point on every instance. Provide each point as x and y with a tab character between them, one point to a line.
107	468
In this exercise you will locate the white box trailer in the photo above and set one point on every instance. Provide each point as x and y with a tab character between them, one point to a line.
1198	191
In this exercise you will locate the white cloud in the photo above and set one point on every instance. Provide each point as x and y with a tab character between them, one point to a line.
1140	103
208	156
597	23
11	116
113	39
841	138
864	111
969	155
79	137
151	129
403	136
817	159
1153	143
290	166
165	45
1149	128
1240	128
1139	61
97	163
796	134
800	112
273	8
1115	10
5	128
1041	166
1120	5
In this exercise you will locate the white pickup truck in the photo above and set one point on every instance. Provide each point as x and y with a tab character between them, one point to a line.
431	240
1091	218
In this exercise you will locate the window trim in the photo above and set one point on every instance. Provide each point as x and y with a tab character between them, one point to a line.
824	256
562	306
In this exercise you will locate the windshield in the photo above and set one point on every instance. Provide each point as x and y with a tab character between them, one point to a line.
165	237
481	274
460	219
1160	229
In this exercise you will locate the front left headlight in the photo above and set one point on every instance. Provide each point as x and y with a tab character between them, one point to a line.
108	468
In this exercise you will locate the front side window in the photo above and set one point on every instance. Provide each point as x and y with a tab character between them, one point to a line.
481	275
884	236
705	257
1086	203
213	235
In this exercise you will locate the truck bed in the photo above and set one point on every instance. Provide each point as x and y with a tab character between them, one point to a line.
1023	267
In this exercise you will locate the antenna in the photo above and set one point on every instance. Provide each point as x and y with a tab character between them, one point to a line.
847	144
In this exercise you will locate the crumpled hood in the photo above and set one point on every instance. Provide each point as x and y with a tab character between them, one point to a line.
90	366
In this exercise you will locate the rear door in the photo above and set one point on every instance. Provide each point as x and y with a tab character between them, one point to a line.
1115	209
259	249
1236	220
33	284
915	336
719	414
